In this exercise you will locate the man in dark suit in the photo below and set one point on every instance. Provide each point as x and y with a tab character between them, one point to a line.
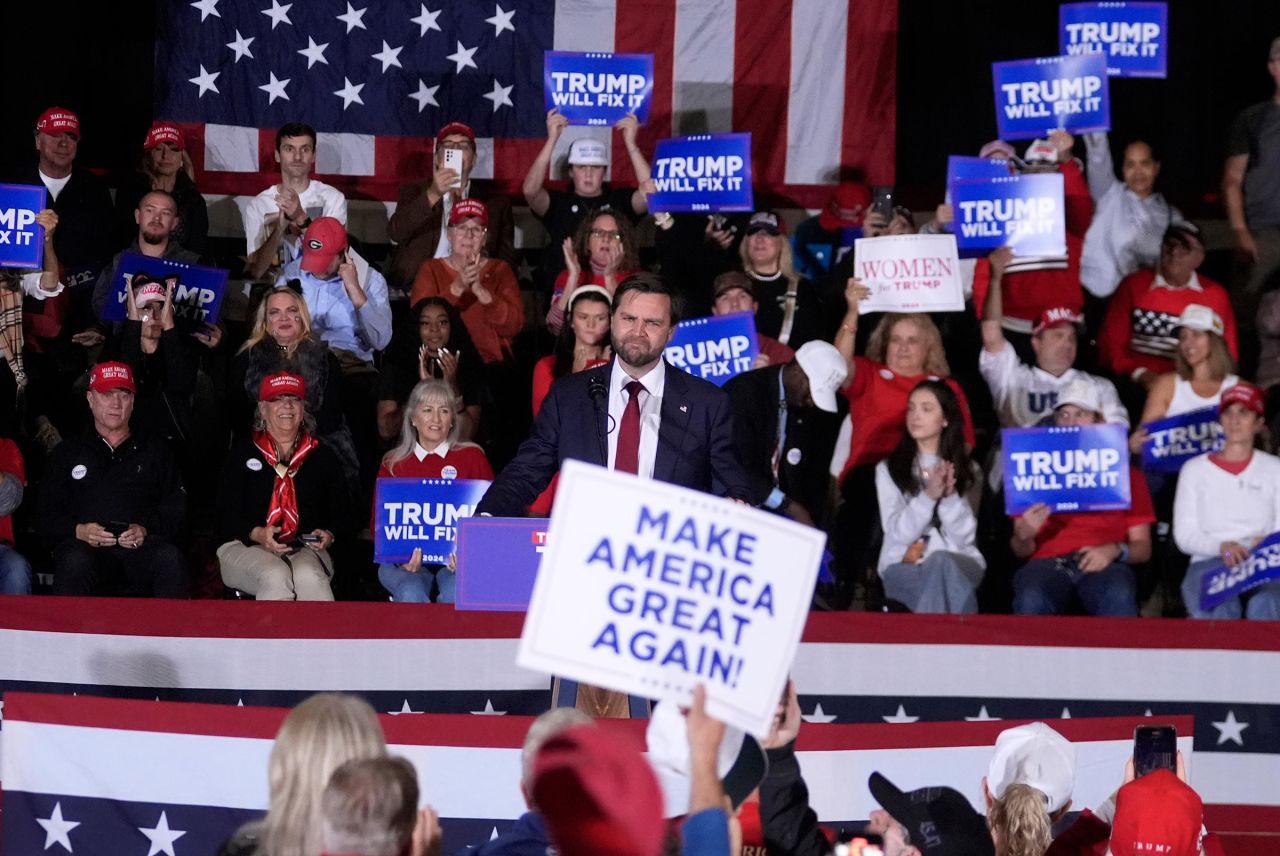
635	413
785	426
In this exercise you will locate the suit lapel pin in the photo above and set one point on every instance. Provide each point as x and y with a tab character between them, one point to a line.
684	408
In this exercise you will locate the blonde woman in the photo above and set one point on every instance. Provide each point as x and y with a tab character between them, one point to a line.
316	738
788	303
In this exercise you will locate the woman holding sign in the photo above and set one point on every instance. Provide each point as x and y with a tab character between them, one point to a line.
929	491
1226	503
429	448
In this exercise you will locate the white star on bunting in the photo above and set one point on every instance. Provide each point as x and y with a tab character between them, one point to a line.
314	52
425	95
388	56
278	14
462	57
426	21
275	89
207	8
162	837
1230	729
56	829
349	92
353	18
241	46
501	21
1066	714
900	716
819	716
206	81
982	716
500	96
404	708
488	710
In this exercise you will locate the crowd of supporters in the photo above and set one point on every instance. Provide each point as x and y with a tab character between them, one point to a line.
156	456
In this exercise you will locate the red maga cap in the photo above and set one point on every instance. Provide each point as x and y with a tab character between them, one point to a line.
465	209
1243	393
108	376
1054	316
461	128
57	120
164	132
282	384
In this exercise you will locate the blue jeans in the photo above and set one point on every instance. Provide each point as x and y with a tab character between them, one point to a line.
416	588
943	583
1046	587
15	572
1262	603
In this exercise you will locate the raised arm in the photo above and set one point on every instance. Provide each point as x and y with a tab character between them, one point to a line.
535	193
993	340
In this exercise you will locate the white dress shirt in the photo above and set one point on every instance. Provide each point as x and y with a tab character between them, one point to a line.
650	413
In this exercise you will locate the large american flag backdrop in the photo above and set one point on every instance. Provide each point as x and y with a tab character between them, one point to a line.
812	80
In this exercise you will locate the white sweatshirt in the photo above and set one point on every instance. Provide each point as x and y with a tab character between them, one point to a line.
1213	506
906	519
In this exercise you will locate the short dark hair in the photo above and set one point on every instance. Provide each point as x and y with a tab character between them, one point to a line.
295	129
158	192
644	282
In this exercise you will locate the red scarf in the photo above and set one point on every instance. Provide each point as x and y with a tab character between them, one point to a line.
283	510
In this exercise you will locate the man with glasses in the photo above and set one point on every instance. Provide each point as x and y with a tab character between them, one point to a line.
423	207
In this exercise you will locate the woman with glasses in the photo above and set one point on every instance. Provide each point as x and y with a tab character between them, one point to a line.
483	290
603	253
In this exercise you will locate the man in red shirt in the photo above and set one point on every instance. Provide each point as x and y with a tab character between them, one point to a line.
1087	554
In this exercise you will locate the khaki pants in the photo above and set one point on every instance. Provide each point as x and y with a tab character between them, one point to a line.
303	575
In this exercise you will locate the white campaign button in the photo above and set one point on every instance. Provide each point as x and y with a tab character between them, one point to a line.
886	374
253	464
449	472
793	456
79	471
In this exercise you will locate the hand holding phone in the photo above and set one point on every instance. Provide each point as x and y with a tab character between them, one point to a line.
453	161
1155	747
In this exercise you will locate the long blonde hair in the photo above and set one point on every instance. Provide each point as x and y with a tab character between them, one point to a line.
431	389
260	316
1219	359
1019	822
935	360
317	737
786	261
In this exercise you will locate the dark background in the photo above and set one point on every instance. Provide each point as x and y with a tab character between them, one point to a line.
95	58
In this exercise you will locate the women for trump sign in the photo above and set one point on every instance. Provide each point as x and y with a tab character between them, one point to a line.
667	589
909	273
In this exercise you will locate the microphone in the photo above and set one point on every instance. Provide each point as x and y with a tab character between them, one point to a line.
598	390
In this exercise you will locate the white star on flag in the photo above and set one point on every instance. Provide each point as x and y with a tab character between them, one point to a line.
819	716
426	21
241	46
982	716
404	708
314	52
278	14
388	56
349	92
501	21
425	95
162	837
1230	729
900	716
354	18
462	58
488	710
205	80
500	96
56	829
207	8
275	89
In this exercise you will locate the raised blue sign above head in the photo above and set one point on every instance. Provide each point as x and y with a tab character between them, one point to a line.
598	88
1133	37
1037	96
710	172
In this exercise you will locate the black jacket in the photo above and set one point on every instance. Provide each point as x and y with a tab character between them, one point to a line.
790	827
83	238
166	380
244	492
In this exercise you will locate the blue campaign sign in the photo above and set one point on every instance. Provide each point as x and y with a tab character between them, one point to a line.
710	172
1025	212
1076	468
598	88
498	561
1132	37
1261	566
422	513
1036	96
1173	441
715	348
21	238
197	291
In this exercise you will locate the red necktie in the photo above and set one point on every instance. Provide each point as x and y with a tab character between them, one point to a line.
627	458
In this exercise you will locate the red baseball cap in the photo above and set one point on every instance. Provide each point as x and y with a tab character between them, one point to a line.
846	207
1158	813
282	384
57	120
108	376
323	241
1055	316
456	128
164	132
465	209
1243	393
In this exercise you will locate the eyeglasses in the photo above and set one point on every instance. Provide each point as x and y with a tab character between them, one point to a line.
456	144
606	235
470	231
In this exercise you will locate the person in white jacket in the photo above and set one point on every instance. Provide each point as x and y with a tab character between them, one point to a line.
928	491
1226	503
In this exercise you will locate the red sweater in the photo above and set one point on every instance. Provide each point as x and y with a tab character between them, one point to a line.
1067	532
1138	331
468	462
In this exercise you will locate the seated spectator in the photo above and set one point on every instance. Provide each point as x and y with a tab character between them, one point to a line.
484	291
928	491
434	344
734	291
528	836
787	456
280	498
112	503
821	241
582	344
422	210
1082	555
282	341
15	571
165	165
1129	216
1138	336
605	247
1226	503
939	820
1028	787
1157	813
316	738
788	304
429	448
370	808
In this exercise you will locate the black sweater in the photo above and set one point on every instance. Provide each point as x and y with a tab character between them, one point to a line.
244	492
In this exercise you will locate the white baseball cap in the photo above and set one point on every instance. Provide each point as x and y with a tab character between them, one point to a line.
1082	394
1197	317
826	369
740	762
1037	756
588	152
